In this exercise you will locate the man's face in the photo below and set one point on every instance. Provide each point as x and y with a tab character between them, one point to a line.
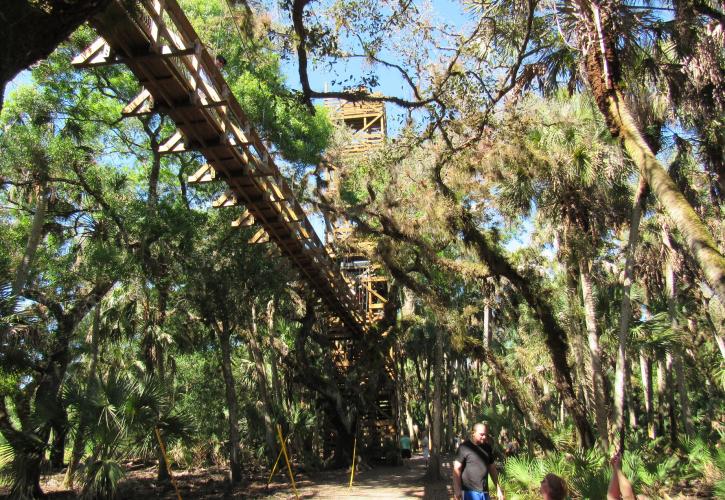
480	434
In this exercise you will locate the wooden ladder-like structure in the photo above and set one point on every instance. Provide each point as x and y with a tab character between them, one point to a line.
179	77
366	121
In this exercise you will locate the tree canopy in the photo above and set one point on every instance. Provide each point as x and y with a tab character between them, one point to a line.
546	213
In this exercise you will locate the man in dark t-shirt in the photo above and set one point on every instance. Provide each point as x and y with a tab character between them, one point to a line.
474	462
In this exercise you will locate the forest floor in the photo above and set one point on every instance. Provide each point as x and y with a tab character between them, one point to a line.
379	482
384	482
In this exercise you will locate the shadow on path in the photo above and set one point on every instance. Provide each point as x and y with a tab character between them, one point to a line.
380	482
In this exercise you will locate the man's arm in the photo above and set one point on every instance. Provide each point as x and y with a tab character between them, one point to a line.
619	486
494	477
457	486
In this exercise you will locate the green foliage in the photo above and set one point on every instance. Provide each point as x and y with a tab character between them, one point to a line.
101	478
254	74
166	276
361	178
587	473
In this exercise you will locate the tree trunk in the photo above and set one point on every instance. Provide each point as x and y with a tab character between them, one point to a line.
670	397
575	338
433	473
625	311
630	404
600	405
344	440
36	234
451	390
720	344
679	370
425	385
28	484
47	401
404	417
521	401
661	397
267	405
671	294
603	73
675	358
273	360
486	398
162	472
57	449
79	443
645	366
235	464
555	336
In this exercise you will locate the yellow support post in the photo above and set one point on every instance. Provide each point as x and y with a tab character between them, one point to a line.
286	458
166	461
279	455
274	468
352	469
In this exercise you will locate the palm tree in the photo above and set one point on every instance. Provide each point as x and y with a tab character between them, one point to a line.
597	35
578	182
120	415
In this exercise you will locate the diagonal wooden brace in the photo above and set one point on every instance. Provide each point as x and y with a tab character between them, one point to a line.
260	236
204	174
142	104
97	54
244	220
172	145
228	199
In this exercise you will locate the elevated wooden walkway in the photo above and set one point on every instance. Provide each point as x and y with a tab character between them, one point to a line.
180	79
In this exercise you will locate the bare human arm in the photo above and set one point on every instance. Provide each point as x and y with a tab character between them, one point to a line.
457	485
619	486
494	477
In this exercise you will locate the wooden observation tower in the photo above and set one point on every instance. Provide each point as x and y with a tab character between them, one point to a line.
366	123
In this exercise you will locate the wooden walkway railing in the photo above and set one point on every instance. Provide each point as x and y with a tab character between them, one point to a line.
179	78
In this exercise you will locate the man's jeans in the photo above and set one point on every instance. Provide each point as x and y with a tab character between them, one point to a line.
475	495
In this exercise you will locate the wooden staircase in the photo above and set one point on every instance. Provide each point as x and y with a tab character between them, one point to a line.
377	427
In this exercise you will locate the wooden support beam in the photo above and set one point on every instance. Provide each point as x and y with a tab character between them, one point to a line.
244	220
142	104
100	54
260	236
261	166
228	199
97	52
187	104
172	145
204	174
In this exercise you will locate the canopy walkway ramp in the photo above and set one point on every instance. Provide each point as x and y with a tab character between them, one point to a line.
180	79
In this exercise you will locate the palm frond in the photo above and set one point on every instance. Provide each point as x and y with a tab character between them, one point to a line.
521	471
101	478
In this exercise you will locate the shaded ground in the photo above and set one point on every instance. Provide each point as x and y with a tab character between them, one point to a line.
379	482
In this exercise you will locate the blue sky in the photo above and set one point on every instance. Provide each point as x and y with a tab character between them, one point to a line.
23	78
348	72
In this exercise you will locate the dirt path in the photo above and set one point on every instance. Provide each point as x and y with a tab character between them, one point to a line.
379	482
